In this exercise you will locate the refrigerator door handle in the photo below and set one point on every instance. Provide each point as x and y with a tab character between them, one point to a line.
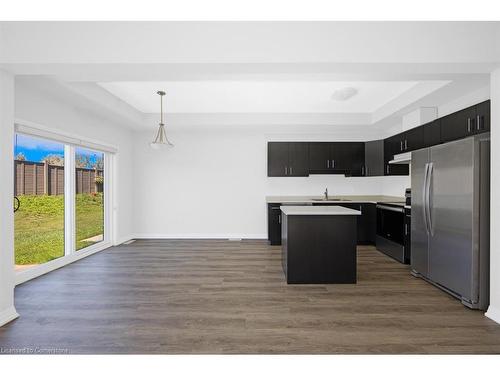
424	198
428	197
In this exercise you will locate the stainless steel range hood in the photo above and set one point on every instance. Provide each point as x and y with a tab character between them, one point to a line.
404	158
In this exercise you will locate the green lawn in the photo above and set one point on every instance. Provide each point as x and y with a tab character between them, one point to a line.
39	226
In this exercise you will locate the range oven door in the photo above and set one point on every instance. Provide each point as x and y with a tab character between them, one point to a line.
391	223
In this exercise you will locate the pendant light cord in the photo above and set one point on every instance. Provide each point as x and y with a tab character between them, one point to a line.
161	108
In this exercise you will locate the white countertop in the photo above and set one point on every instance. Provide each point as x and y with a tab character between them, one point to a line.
318	210
341	199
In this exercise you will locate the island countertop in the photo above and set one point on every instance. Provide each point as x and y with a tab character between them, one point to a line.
318	210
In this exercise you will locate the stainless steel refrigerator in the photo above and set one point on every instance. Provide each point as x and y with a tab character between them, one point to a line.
450	218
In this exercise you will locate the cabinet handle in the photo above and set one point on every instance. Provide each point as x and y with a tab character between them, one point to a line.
478	119
291	170
401	146
279	219
387	168
328	163
333	163
285	171
468	125
406	229
406	144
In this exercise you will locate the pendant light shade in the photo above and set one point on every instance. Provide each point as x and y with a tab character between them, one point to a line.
161	140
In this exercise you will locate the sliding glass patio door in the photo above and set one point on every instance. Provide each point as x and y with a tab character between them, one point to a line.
89	197
60	191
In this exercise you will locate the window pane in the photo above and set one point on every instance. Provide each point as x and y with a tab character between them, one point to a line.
39	197
89	199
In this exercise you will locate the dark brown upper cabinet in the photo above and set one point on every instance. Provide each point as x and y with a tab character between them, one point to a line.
374	158
320	157
393	146
287	159
413	139
298	157
407	141
458	125
483	117
357	166
336	158
432	133
467	122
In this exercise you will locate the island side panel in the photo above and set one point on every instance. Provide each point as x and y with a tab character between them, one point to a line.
320	249
284	242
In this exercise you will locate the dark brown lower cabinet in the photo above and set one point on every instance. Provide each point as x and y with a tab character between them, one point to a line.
367	221
366	225
274	223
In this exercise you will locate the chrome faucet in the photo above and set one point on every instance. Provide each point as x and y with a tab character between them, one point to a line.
326	194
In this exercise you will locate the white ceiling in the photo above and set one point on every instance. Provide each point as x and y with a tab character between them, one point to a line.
251	73
260	97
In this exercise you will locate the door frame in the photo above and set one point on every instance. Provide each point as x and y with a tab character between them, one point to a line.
71	142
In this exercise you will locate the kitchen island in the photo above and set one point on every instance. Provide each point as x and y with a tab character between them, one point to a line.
364	203
319	244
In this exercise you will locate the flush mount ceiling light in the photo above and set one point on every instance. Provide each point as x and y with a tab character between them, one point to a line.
161	140
344	94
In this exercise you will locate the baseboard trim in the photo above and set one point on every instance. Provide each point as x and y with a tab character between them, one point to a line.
199	236
8	315
493	313
123	240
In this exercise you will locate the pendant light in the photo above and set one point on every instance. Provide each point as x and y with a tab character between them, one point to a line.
161	140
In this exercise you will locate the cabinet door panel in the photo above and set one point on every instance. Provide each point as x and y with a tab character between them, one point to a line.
367	221
319	157
274	223
432	133
414	139
277	159
298	159
393	146
341	156
367	228
483	117
458	125
357	163
374	158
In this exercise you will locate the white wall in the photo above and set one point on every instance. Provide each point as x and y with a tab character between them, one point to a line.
49	105
465	101
213	183
494	309
7	310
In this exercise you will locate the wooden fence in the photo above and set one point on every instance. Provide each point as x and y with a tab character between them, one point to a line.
32	178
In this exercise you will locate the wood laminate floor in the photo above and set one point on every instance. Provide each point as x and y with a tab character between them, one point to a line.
211	296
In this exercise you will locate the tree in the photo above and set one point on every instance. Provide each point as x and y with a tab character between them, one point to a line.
20	156
54	159
83	161
89	161
99	163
